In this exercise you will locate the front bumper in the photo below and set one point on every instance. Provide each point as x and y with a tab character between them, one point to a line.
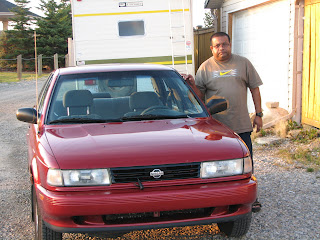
88	211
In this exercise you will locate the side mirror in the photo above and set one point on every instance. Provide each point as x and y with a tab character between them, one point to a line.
217	105
28	115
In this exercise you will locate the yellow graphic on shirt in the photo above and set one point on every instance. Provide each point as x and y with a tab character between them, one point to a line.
224	73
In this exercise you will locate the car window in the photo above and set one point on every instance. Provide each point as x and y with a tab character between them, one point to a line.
119	95
43	93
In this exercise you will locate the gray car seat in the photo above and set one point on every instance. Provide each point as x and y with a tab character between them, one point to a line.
78	102
139	101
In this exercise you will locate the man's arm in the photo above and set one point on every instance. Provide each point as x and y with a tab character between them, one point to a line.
192	83
255	92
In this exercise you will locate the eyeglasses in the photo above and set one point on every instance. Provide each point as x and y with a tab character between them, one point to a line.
224	45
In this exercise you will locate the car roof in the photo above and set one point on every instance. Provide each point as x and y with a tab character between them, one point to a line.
112	68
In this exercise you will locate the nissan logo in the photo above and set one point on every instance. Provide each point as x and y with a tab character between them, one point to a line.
156	173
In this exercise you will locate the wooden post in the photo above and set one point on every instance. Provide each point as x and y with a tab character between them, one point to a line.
71	53
19	67
67	60
40	64
56	61
5	25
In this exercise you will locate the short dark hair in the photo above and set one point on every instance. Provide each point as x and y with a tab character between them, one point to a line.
219	34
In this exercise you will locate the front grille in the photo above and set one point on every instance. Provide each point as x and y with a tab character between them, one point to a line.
170	172
157	216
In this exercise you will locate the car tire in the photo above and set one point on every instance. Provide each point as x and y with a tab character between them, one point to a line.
41	231
236	228
32	202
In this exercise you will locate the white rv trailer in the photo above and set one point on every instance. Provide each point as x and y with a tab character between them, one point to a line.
133	31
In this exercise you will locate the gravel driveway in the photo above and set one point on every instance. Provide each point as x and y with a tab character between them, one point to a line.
290	196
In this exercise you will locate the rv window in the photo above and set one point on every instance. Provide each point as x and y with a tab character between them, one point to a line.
131	28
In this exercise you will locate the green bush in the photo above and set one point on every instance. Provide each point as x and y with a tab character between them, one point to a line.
305	136
293	125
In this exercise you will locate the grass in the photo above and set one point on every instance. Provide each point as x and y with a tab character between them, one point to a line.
306	154
307	158
262	133
292	125
8	77
305	136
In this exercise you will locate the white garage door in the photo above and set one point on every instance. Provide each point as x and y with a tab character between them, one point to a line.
262	35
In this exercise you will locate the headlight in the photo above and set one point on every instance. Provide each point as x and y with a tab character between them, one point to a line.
86	177
225	168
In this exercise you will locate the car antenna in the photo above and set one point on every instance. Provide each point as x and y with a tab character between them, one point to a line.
36	69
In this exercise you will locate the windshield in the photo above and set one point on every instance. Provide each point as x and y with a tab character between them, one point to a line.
121	96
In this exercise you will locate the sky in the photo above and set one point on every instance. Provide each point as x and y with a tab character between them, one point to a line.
197	11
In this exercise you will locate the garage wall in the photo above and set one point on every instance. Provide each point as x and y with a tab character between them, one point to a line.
230	6
263	31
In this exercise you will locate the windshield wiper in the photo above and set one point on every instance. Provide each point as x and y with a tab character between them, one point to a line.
78	120
131	118
153	117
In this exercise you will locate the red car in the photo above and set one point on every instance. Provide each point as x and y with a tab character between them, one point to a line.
127	147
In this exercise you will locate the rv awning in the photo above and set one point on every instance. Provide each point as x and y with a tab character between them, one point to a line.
213	4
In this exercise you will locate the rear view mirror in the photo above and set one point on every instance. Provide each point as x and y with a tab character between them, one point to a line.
28	115
217	105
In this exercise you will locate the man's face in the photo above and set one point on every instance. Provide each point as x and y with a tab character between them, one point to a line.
221	48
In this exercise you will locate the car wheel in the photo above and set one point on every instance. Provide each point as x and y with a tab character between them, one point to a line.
41	231
236	228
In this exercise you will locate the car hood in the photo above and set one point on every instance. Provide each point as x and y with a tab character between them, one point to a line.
142	143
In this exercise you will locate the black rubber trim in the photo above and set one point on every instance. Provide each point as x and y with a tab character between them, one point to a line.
145	227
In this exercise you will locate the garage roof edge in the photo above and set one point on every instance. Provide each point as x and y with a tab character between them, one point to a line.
213	4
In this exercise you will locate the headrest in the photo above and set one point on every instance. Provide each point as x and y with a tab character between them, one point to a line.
142	100
77	98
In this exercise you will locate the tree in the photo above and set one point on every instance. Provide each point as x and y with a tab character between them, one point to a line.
54	29
208	20
19	40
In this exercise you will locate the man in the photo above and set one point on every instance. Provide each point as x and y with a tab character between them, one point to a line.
226	75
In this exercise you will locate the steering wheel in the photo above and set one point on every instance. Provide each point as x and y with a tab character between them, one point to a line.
152	108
